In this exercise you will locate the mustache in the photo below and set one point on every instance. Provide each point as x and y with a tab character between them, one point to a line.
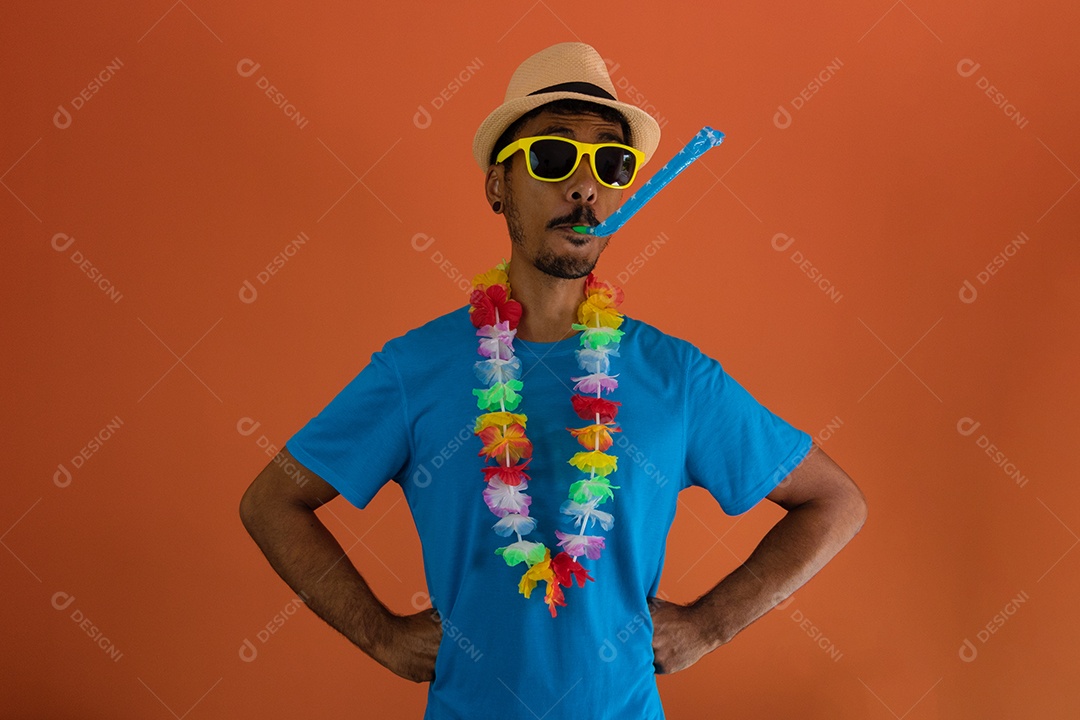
582	215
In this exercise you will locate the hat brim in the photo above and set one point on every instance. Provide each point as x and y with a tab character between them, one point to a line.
644	130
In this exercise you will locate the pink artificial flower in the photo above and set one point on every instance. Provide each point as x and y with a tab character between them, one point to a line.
576	545
497	341
502	498
595	381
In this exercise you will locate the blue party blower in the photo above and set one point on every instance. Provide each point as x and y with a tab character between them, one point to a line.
705	139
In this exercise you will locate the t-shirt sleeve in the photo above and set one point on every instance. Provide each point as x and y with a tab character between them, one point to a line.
360	440
736	448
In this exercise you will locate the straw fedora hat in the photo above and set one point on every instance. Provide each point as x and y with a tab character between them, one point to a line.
567	70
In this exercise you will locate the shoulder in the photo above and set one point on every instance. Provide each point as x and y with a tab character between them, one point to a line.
656	343
449	324
451	332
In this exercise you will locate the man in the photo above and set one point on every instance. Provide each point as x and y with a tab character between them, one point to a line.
409	416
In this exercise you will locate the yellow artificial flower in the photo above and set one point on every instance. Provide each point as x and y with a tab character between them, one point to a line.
540	571
498	418
589	434
597	306
601	463
494	276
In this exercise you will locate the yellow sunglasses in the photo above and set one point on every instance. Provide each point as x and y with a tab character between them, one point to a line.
553	158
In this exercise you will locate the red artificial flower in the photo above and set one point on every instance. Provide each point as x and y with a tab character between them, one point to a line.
567	569
613	292
510	475
587	407
484	303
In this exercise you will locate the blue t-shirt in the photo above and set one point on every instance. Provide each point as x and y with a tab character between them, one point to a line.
409	416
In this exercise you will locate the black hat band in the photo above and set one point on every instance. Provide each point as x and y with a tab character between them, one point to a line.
585	88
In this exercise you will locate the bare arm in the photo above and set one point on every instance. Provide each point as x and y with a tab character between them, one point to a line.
278	510
825	510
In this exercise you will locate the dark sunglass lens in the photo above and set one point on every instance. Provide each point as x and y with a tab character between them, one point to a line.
615	166
552	159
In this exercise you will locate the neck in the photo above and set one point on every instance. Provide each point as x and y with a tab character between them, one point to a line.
549	304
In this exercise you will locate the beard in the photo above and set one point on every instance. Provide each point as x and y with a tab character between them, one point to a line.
568	266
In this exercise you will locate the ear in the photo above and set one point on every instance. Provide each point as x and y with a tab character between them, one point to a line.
494	186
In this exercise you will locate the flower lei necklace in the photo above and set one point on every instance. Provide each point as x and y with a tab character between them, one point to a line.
502	431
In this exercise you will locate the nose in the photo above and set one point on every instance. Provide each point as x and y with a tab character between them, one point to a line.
582	185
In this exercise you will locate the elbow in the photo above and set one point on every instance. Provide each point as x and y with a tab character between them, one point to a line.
857	510
249	508
846	509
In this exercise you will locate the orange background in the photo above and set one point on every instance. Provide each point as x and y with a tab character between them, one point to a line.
179	180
